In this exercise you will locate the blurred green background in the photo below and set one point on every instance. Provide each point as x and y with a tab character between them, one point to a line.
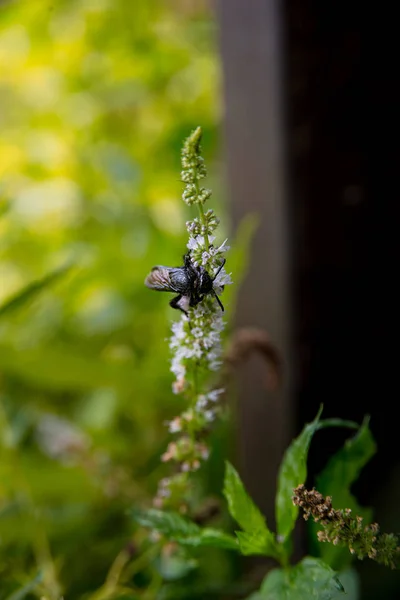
96	97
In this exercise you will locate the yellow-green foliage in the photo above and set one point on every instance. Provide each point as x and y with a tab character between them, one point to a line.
96	97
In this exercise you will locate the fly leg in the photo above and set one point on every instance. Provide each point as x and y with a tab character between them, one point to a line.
181	303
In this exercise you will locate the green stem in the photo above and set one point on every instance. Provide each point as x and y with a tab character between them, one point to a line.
203	219
142	562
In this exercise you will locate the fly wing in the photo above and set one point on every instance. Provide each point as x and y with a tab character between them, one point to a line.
159	279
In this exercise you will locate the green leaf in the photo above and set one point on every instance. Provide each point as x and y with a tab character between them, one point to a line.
344	468
258	542
341	471
293	472
212	537
241	506
33	289
256	538
182	530
311	578
26	589
176	565
168	523
350	581
338	423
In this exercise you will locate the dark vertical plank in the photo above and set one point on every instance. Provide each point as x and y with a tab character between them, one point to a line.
251	48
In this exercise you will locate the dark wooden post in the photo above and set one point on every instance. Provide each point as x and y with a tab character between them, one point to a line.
251	48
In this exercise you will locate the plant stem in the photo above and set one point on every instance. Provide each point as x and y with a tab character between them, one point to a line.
203	220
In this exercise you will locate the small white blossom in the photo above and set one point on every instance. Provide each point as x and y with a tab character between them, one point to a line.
198	242
179	333
164	492
175	425
204	452
177	366
215	365
201	341
223	247
197	332
223	278
192	243
201	402
214	395
188	415
209	415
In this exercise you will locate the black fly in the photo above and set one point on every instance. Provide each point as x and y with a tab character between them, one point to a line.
191	283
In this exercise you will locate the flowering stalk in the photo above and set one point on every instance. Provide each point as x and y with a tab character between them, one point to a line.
195	341
341	527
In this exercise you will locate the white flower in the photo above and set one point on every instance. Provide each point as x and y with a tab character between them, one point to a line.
175	425
199	241
204	452
223	278
197	338
177	367
223	247
197	332
214	395
209	415
215	365
201	402
179	333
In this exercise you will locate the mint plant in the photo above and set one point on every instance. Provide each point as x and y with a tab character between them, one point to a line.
196	355
196	337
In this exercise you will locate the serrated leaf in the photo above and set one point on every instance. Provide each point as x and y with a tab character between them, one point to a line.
256	537
257	542
215	538
241	506
311	578
168	523
33	289
293	472
182	530
341	471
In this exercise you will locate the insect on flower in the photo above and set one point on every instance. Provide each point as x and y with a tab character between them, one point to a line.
191	283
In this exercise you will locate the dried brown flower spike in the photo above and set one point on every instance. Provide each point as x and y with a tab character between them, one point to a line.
340	527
